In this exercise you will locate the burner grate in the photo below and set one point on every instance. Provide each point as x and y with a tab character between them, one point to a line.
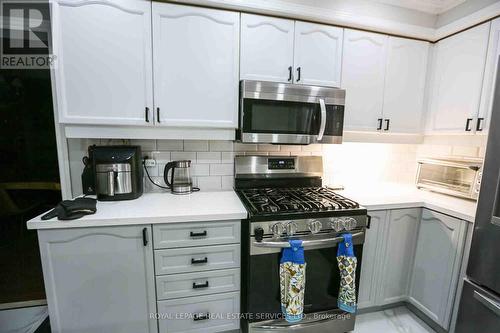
291	200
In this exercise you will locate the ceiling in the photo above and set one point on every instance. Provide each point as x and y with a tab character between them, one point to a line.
429	6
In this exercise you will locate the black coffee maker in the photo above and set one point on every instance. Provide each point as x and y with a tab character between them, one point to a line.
113	172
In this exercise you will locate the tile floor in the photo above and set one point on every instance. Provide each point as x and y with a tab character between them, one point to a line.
395	320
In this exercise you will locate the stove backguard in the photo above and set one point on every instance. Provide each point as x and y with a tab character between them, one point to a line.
277	171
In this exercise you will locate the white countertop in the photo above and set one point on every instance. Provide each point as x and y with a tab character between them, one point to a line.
152	208
395	196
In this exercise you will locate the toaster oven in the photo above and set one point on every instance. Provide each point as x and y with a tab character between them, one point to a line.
456	177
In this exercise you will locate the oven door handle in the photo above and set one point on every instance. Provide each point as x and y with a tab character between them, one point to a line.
322	125
307	243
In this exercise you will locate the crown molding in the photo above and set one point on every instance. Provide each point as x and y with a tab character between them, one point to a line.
286	9
427	6
466	22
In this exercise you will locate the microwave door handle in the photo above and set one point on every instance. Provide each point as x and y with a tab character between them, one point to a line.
322	125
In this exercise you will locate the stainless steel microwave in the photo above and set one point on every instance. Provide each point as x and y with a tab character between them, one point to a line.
282	113
457	177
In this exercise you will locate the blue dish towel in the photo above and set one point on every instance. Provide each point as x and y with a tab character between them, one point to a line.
292	281
347	263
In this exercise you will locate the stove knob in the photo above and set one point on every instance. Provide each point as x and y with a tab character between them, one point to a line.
291	228
314	226
259	234
350	223
277	229
337	224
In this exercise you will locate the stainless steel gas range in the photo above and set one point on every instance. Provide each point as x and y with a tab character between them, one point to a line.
285	200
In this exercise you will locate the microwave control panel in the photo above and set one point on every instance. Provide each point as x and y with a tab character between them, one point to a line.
281	164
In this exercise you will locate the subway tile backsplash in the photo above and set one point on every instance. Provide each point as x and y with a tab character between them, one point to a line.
213	161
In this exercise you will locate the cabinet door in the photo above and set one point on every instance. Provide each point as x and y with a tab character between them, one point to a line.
99	279
318	54
196	52
458	70
103	70
490	78
400	233
371	260
437	264
405	84
363	71
266	48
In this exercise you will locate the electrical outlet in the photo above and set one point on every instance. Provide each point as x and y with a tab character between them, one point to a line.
149	162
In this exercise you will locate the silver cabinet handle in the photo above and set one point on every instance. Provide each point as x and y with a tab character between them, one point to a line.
489	303
306	243
111	183
322	125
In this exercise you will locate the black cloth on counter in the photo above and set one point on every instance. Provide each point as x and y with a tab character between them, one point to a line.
72	209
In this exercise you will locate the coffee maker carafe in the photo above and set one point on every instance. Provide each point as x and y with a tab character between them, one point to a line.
180	181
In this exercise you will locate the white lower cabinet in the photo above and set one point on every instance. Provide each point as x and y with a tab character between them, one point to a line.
191	234
369	267
387	253
437	265
197	283
197	259
99	279
412	255
396	253
204	314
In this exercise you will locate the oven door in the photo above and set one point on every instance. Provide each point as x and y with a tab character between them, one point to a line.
291	115
262	287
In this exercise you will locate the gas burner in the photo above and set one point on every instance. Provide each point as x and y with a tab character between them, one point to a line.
293	200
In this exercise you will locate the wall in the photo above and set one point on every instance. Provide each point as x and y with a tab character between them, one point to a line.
348	164
212	161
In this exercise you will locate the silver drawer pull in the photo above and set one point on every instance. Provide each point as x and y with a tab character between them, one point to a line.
306	243
489	303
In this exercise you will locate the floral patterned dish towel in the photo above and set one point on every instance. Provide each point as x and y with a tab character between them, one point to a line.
292	281
347	265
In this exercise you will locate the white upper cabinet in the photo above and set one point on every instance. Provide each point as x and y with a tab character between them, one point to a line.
363	73
103	73
318	54
437	265
266	48
196	52
458	68
279	50
404	85
490	77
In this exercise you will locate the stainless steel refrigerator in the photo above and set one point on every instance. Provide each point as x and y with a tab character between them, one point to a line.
479	309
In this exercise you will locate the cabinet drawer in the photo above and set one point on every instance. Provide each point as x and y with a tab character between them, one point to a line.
195	234
195	259
204	314
199	283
